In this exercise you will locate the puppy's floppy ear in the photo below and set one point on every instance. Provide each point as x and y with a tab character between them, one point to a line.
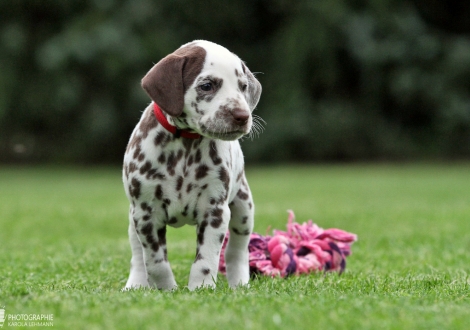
167	82
254	88
164	84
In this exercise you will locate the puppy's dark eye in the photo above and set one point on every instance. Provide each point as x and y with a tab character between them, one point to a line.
206	87
244	86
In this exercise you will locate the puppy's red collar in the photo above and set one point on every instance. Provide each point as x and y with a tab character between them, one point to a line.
170	128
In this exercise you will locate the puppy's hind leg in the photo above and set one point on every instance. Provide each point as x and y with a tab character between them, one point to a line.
138	272
153	255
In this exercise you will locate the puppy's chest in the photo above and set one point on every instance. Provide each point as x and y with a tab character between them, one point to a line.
181	177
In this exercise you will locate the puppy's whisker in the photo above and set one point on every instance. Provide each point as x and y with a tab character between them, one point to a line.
257	127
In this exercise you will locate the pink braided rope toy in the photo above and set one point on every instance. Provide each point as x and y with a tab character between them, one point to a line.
302	249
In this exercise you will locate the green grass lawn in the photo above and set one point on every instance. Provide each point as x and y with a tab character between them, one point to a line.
64	251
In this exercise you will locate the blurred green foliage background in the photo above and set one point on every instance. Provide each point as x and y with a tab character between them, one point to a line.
342	80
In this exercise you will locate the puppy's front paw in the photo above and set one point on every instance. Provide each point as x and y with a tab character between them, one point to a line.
136	283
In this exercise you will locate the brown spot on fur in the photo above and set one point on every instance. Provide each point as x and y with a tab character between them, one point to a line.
154	174
179	183
148	123
162	158
132	167
137	152
146	167
221	238
189	188
151	173
224	177
161	234
134	142
200	233
201	171
242	195
185	211
216	222
159	176
134	189
147	231
190	160
222	197
160	138
179	155
187	144
206	271
171	163
213	153
198	156
145	207
217	212
241	233
159	192
217	217
172	220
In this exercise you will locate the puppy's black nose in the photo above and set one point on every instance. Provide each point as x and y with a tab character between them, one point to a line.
240	116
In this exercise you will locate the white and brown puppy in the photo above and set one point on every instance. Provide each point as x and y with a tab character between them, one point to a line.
184	165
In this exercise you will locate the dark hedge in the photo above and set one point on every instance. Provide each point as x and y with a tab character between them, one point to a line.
342	80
